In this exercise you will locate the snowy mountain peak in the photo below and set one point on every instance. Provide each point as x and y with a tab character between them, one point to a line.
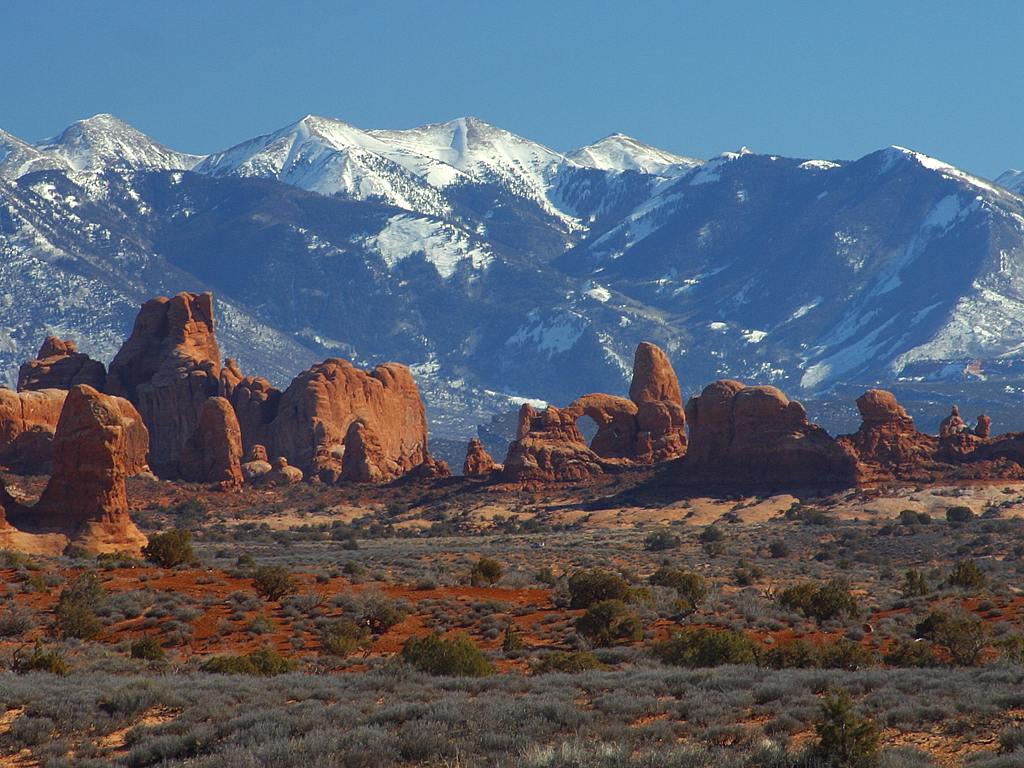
618	152
18	157
104	141
1012	180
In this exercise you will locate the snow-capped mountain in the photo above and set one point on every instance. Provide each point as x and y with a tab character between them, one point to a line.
103	142
500	269
622	153
1012	180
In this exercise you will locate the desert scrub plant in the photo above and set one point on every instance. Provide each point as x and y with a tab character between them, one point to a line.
661	540
77	605
272	582
609	622
343	638
264	662
454	657
706	647
593	586
39	659
845	739
962	635
966	575
147	648
170	549
821	602
485	571
915	584
16	621
690	587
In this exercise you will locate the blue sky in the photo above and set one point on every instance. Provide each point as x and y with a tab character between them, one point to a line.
809	79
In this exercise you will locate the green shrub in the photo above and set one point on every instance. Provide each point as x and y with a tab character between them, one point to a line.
272	582
609	622
845	739
821	601
967	575
963	636
76	607
147	648
910	518
512	641
801	654
589	587
40	660
706	647
778	549
571	662
264	663
485	571
170	549
15	621
915	584
959	514
911	654
690	586
437	655
343	638
659	541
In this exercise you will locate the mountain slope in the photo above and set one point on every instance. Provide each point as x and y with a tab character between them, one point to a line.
618	152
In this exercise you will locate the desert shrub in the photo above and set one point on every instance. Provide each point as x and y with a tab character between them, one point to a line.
801	654
690	586
511	641
609	622
15	621
706	647
1011	740
845	739
959	514
911	654
437	655
40	659
963	636
147	648
589	587
909	517
915	584
659	541
571	662
170	549
272	582
76	607
485	571
343	638
778	549
966	575
378	611
821	601
265	662
28	731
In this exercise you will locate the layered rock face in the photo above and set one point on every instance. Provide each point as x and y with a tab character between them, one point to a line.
479	462
887	443
549	448
213	454
85	498
28	421
336	421
59	365
756	436
168	368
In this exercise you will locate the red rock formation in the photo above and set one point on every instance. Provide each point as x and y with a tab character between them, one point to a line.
952	424
255	465
28	421
59	365
617	428
85	498
282	474
984	427
167	368
756	436
213	453
653	376
312	422
478	461
887	443
549	448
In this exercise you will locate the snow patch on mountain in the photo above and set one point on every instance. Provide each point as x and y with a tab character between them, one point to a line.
442	244
551	335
